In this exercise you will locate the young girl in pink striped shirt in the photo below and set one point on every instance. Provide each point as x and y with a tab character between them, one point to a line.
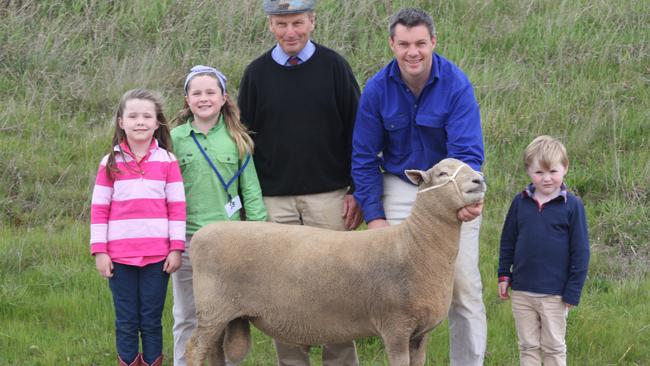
138	224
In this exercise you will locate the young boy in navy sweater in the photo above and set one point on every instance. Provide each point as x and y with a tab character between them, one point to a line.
544	254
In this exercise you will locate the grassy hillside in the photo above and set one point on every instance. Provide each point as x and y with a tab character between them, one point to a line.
578	70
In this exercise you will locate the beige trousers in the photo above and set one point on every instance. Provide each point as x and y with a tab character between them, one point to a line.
322	210
541	328
467	319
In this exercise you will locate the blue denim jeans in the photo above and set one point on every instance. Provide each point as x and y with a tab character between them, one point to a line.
139	297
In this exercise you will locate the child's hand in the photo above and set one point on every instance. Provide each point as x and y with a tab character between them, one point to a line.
104	265
173	262
503	290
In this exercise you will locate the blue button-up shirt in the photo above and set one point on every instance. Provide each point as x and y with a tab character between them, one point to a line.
395	130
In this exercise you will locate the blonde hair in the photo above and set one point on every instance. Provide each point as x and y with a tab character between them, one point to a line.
162	134
547	151
237	130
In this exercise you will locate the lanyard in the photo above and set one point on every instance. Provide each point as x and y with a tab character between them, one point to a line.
223	182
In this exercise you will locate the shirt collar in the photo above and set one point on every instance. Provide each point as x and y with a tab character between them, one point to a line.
530	190
281	57
187	127
124	147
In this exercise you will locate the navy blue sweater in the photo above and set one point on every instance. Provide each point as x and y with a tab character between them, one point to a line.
546	249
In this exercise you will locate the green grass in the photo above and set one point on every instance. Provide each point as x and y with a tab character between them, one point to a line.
574	69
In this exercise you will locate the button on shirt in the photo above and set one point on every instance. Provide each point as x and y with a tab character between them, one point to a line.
395	130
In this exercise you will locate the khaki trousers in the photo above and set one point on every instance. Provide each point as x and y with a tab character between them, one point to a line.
541	328
467	319
322	210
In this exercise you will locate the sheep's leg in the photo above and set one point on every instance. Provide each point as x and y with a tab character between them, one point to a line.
418	349
397	348
206	344
216	355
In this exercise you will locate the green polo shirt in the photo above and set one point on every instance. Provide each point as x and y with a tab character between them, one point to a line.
205	195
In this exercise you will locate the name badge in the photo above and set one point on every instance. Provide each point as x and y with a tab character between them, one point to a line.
233	206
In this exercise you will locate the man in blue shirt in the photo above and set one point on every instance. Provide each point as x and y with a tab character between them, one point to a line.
416	111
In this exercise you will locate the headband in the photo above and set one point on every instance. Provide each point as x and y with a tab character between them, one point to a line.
200	69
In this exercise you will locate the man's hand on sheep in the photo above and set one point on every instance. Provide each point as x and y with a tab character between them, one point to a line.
470	212
377	223
351	212
104	265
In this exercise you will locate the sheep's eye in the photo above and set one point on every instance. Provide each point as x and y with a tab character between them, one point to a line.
443	174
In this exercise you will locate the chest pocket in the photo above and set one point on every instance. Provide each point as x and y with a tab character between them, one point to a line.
227	164
227	158
431	121
431	129
186	160
398	135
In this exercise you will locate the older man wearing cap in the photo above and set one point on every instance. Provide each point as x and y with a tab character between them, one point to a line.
300	100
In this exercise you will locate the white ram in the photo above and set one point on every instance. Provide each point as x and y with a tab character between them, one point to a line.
307	286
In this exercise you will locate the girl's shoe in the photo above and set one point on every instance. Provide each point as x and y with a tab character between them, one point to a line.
157	362
136	362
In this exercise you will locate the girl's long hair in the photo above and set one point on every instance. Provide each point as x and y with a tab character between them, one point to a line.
230	111
161	134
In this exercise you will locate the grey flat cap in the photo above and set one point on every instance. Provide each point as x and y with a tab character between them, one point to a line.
278	7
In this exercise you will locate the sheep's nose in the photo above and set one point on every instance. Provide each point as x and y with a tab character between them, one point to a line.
480	180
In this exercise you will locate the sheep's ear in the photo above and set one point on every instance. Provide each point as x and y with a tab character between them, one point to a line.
417	176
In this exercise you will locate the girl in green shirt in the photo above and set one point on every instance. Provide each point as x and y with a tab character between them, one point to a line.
214	152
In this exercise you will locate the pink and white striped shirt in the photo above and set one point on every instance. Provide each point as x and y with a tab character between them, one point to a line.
139	216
